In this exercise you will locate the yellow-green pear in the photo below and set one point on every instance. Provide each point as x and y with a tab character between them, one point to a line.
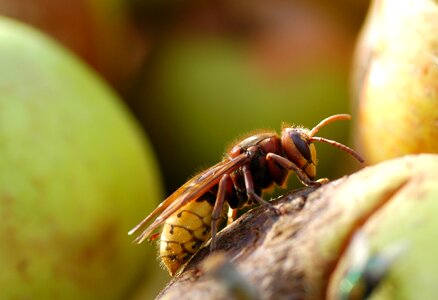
76	173
396	80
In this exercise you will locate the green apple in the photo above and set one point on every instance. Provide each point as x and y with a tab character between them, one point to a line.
76	173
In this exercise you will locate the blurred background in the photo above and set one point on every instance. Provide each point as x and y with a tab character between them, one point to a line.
199	74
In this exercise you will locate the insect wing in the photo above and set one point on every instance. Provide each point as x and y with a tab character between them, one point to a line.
160	208
191	190
163	205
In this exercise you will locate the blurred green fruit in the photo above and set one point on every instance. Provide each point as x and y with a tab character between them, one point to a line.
75	175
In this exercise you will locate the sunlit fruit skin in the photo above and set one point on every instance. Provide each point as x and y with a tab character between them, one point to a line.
396	80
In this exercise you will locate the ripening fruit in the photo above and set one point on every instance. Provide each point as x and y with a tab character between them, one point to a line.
75	172
396	80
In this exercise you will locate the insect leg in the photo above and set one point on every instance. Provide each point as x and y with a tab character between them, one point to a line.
287	164
217	209
249	185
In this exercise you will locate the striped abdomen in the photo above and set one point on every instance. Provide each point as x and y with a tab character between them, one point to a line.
184	233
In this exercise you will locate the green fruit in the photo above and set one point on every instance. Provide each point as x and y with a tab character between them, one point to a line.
394	208
75	175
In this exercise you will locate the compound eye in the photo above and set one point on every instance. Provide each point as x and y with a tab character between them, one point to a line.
301	145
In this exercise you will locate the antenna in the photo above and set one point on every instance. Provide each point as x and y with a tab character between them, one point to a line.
326	121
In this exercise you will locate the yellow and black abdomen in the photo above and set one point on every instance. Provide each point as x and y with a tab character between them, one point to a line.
184	233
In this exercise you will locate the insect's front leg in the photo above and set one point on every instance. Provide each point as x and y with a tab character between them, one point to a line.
287	164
